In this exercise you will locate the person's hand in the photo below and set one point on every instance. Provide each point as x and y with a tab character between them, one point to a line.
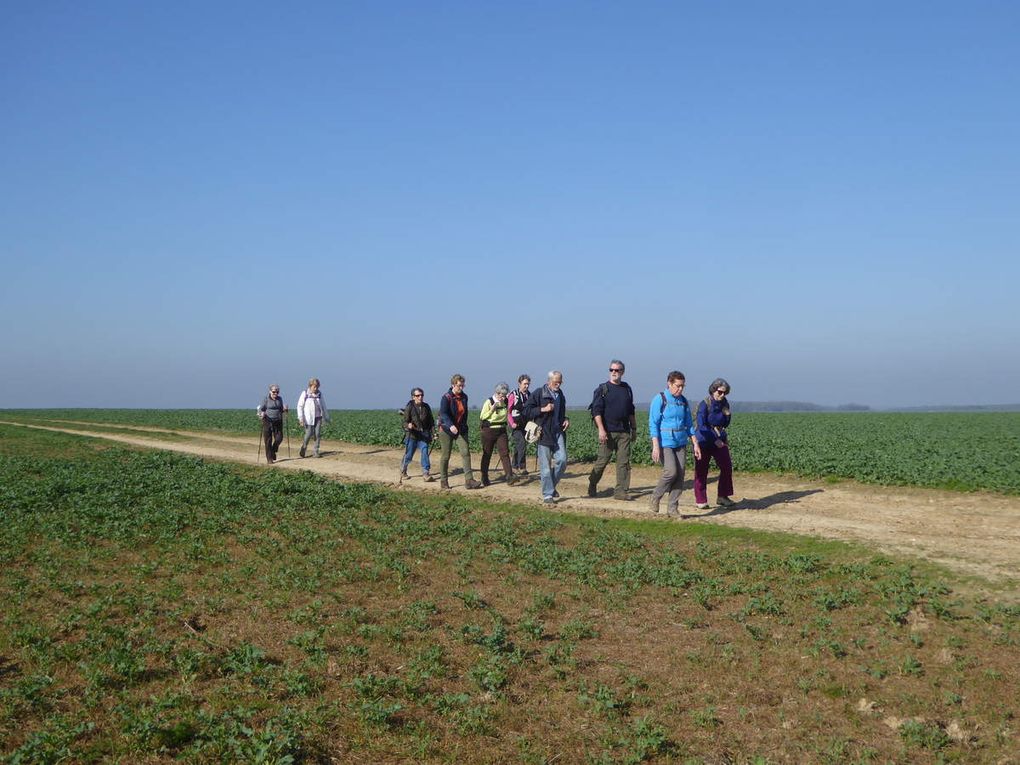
566	424
515	413
719	443
697	451
453	430
547	408
286	408
633	434
656	454
603	436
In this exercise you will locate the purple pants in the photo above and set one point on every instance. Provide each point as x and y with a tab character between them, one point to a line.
722	460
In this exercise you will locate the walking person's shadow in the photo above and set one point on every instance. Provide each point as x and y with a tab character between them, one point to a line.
761	503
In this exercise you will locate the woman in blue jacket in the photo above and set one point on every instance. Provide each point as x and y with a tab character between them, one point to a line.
669	421
713	419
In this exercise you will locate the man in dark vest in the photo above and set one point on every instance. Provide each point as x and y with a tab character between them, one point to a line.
612	408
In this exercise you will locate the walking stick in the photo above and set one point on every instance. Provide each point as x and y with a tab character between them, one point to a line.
258	454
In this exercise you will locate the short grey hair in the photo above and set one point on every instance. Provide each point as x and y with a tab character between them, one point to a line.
554	373
718	383
274	386
623	367
502	388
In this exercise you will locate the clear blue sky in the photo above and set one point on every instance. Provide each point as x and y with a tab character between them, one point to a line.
818	203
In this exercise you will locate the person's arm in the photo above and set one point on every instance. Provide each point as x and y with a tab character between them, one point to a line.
486	410
301	409
325	411
655	427
692	431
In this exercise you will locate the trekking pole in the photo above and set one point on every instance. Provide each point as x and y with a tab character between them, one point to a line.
258	454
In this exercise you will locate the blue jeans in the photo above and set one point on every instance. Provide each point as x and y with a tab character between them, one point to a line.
312	430
410	444
551	477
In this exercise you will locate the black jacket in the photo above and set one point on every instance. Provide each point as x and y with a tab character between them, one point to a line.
421	420
547	420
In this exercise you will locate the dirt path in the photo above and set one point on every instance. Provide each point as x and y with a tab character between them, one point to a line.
976	534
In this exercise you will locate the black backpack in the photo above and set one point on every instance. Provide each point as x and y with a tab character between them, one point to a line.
601	391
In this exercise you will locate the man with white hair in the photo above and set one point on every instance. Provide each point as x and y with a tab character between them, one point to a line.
548	409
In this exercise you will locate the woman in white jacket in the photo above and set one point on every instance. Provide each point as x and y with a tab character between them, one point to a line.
311	409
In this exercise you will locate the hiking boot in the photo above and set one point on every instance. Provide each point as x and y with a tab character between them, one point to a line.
511	479
725	502
428	478
302	451
673	512
549	501
403	477
621	495
471	483
522	472
556	495
702	506
654	505
486	481
444	484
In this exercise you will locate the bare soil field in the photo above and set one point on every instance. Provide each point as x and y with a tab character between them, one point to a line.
975	534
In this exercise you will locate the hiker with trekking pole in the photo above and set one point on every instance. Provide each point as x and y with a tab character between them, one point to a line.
547	408
272	411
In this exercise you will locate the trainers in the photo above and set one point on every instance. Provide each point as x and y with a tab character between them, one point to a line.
428	478
673	512
511	479
726	502
621	495
522	472
556	495
654	505
702	506
549	500
403	476
471	483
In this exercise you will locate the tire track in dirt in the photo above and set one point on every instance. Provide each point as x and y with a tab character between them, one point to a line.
971	533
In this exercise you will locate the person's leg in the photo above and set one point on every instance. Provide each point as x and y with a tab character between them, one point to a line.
308	436
559	459
409	446
680	455
701	467
267	438
318	435
426	466
465	457
445	446
503	447
520	461
488	441
725	463
622	464
545	474
666	479
602	457
277	437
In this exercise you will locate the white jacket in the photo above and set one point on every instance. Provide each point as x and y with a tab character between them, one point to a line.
306	408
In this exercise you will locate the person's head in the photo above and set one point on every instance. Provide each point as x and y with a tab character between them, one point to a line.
554	379
313	384
719	389
457	383
676	381
500	391
524	382
616	368
417	395
274	390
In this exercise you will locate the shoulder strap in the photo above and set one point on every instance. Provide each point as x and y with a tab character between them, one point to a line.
662	407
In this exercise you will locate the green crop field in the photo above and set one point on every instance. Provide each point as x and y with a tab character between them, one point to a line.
964	451
160	608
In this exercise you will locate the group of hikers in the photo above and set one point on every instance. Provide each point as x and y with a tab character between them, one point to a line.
523	416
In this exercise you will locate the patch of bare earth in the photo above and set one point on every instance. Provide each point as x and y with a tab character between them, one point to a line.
972	533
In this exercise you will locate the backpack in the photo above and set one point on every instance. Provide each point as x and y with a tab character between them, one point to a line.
601	391
662	406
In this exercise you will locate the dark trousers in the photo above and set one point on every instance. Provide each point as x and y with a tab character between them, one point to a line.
722	459
619	443
520	460
272	436
495	438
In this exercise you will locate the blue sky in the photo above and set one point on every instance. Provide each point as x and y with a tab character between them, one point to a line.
819	203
